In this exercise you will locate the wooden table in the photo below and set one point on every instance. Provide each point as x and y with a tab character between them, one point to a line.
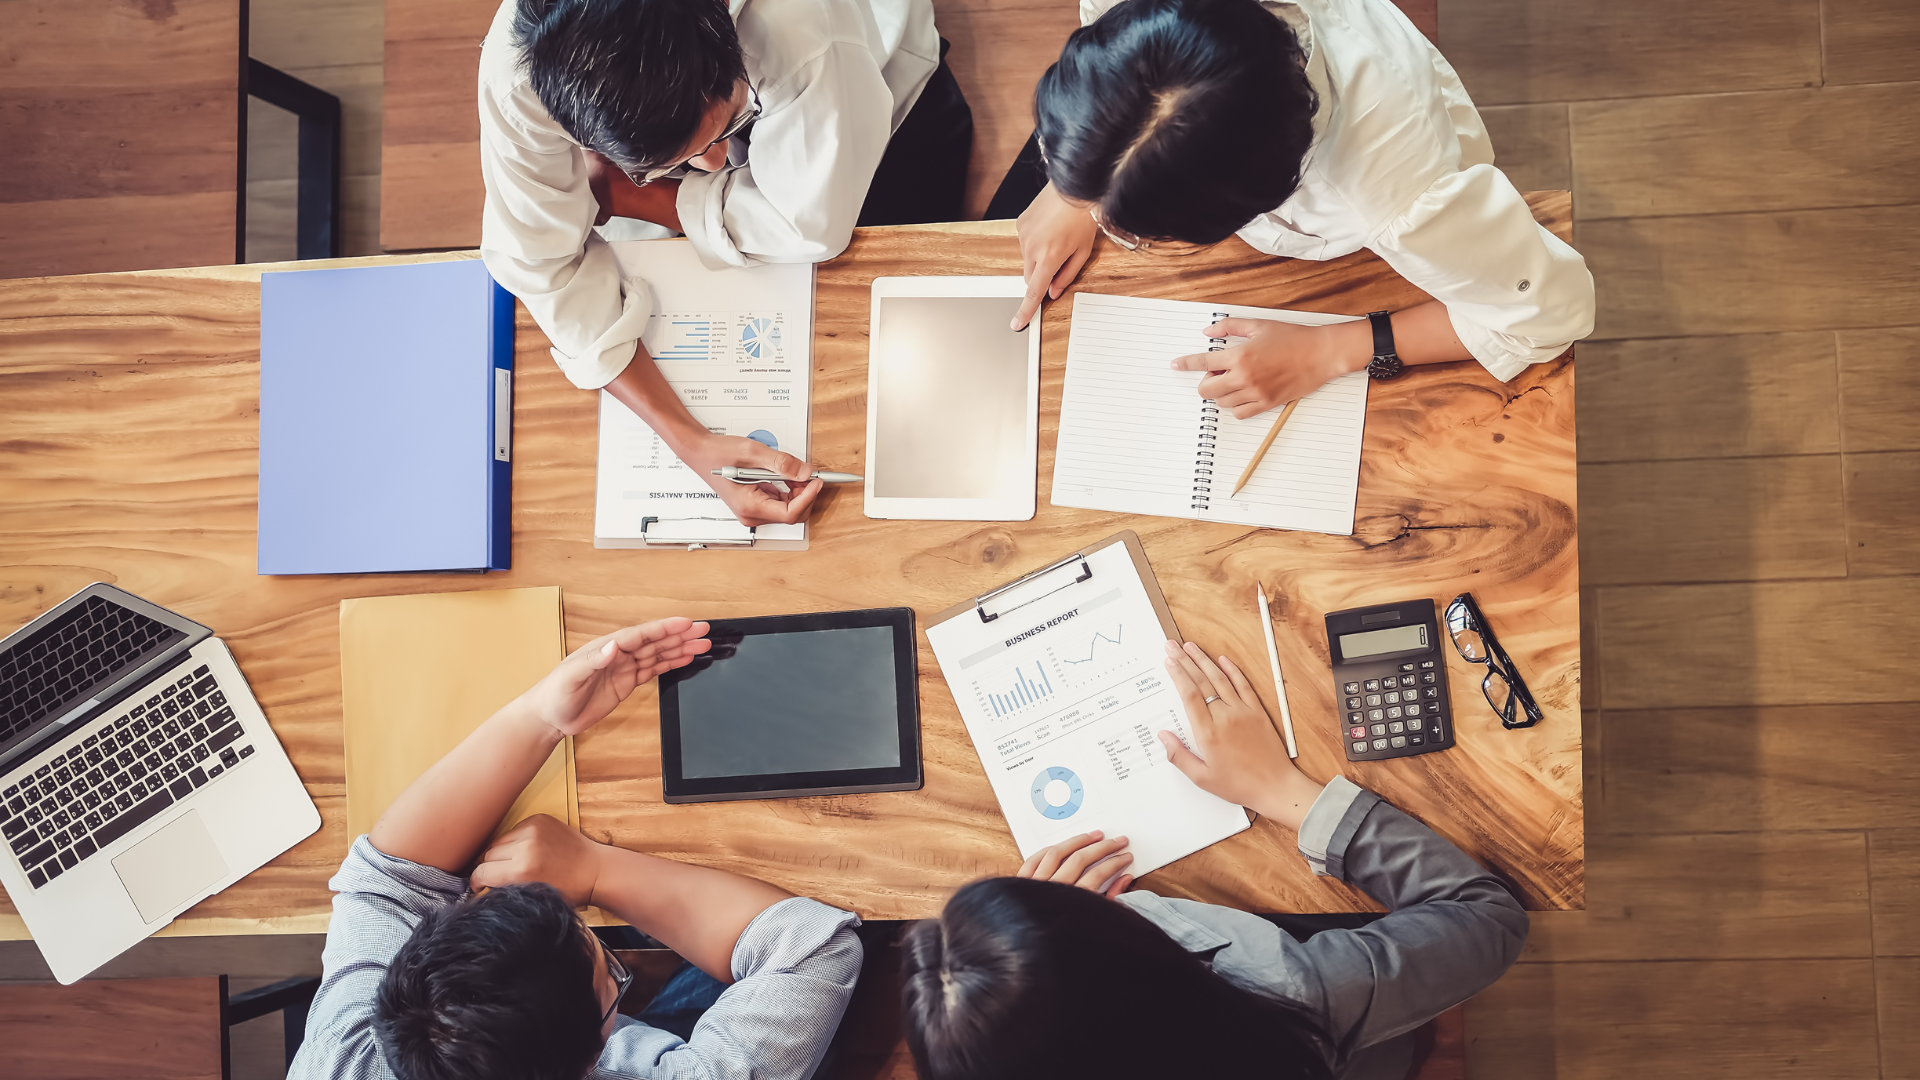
128	447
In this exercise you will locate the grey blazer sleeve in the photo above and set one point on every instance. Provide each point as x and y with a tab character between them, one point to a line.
1452	927
1452	930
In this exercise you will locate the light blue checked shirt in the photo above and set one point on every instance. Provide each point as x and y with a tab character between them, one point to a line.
793	968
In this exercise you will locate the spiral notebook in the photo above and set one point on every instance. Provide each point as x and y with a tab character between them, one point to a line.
1136	437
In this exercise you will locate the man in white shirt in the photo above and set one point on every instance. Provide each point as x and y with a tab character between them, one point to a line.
764	131
1312	129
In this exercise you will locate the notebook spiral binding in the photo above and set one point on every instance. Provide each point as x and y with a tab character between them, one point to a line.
1209	438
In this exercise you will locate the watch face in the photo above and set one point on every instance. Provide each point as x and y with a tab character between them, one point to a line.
1384	367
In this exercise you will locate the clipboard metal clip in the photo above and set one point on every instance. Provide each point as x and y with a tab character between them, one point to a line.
1019	588
694	534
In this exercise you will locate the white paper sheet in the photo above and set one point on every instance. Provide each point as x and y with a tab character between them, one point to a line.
1136	437
1064	698
737	345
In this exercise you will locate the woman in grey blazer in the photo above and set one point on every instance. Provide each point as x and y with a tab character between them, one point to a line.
1060	971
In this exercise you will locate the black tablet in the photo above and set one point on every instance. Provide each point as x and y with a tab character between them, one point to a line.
789	705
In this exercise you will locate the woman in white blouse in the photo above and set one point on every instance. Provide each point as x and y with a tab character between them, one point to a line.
1311	129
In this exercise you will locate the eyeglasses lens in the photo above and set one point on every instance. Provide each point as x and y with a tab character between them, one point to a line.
1499	692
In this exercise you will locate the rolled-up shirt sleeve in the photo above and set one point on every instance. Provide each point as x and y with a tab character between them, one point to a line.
537	238
809	164
1516	293
794	969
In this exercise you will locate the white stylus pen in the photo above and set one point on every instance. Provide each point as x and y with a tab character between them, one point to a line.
1273	656
743	475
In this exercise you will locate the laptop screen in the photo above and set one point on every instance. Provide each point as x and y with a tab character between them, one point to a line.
59	665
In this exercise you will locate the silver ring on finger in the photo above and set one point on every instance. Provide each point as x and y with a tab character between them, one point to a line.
1211	700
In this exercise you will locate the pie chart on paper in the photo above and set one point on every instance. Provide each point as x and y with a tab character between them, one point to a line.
758	337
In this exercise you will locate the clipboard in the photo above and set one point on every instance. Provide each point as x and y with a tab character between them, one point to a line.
1059	679
1074	571
698	534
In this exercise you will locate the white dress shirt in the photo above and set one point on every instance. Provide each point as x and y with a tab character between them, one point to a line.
835	79
1401	165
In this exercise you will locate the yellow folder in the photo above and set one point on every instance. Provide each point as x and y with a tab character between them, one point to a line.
419	673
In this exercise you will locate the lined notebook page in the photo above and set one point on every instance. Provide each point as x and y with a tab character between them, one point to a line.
1136	437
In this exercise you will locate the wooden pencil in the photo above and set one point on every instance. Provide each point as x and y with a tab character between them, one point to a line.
1254	463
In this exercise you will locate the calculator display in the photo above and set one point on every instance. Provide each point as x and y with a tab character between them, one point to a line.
1375	642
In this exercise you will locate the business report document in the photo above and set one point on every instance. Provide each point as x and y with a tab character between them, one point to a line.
1136	437
737	346
1064	697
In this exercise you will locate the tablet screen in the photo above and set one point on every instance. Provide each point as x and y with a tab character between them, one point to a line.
804	702
950	400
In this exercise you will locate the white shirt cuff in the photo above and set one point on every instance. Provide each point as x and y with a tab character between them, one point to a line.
1324	818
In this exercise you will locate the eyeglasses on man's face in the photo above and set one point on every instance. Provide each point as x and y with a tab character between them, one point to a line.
622	978
643	177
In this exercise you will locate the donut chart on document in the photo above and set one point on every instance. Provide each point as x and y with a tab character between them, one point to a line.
1075	793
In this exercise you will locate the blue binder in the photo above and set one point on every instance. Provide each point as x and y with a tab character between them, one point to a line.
386	406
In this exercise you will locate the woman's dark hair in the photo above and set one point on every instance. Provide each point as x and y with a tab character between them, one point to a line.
630	79
1181	119
1023	979
496	987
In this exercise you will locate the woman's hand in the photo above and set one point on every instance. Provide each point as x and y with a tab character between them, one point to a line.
1237	753
600	674
542	849
756	504
1279	362
1056	239
1087	861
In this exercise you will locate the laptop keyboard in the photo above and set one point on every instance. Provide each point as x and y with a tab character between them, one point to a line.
100	788
58	664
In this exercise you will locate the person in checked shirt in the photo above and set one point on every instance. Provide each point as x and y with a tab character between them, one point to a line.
452	956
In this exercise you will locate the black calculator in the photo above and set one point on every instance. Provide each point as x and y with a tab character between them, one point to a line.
1390	680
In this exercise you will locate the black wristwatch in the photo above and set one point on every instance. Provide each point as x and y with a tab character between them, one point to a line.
1385	363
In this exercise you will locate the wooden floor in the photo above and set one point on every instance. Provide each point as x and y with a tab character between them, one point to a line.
335	45
1745	192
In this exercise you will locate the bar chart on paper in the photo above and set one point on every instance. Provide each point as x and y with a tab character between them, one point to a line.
1023	690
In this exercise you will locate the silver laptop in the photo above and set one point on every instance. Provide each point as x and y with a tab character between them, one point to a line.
138	775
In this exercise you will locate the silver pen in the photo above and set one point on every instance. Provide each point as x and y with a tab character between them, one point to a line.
740	475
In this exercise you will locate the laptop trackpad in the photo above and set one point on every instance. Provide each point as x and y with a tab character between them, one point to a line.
171	865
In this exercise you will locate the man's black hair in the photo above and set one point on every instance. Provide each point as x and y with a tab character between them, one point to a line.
630	79
496	987
1033	980
1181	119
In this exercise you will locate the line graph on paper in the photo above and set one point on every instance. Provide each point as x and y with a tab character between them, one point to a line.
1092	657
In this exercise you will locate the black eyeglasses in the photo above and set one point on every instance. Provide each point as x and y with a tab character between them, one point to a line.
1503	688
643	177
622	978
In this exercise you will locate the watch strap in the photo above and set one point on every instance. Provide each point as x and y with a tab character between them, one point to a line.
1386	361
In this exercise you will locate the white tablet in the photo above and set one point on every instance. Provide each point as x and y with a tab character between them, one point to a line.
953	400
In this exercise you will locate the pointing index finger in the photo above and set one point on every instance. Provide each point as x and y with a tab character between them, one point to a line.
1036	290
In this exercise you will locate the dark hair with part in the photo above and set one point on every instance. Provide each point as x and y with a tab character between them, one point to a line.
496	987
1033	980
1181	119
630	79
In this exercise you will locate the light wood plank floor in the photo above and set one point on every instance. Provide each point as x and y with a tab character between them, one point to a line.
1745	192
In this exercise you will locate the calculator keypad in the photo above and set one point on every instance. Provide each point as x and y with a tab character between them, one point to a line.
1398	710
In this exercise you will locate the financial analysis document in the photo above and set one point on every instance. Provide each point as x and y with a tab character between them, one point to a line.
1064	698
736	345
